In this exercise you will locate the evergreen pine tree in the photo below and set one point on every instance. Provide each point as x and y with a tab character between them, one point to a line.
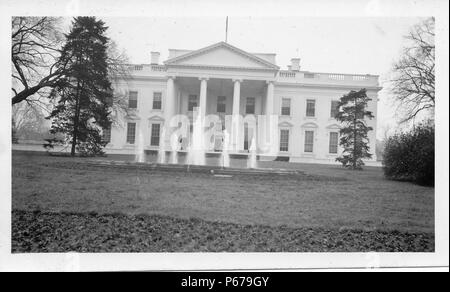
84	94
352	114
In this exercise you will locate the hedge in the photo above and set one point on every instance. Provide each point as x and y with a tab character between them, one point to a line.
410	156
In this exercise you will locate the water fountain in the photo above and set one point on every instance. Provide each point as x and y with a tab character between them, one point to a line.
162	148
139	151
175	145
251	162
225	156
196	154
196	151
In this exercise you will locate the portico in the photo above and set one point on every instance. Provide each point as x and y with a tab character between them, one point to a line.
219	97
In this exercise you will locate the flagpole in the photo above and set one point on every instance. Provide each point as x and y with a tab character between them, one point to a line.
226	30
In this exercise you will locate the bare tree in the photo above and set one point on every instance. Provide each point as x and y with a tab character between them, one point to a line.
119	73
413	81
35	47
36	44
27	118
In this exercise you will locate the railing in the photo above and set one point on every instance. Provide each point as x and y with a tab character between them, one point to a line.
158	68
326	77
360	77
336	76
135	67
154	68
287	74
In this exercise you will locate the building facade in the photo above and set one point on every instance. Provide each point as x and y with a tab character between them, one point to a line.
222	80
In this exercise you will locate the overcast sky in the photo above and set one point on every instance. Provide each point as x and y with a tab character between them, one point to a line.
339	45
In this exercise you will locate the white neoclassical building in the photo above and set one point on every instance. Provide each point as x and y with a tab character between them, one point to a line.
223	80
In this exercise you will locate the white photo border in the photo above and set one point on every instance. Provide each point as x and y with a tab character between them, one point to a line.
227	261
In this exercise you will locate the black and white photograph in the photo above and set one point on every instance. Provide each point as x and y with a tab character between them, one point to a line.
187	135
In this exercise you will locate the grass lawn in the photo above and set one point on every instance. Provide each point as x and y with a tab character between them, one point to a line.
327	200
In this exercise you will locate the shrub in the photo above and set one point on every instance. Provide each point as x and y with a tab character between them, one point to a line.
410	156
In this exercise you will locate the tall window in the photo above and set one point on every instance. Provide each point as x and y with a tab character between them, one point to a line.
284	140
221	104
286	107
309	141
192	102
132	99
131	133
333	142
246	146
334	108
154	140
310	108
157	100
250	105
106	135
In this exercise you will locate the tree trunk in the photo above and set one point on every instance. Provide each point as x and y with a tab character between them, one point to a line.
74	142
75	120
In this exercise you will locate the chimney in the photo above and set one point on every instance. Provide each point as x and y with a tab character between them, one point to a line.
295	64
155	58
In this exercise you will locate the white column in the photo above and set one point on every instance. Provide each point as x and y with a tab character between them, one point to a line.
203	95
179	103
236	96
169	107
269	98
235	118
271	132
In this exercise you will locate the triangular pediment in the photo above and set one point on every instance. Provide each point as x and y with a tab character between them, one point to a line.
221	55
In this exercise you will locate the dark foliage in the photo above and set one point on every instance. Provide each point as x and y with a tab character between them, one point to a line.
410	156
85	93
91	232
51	143
352	114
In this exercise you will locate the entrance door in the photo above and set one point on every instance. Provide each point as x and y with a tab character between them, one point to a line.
248	136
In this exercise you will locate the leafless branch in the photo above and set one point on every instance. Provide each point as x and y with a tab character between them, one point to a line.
118	73
35	47
414	73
